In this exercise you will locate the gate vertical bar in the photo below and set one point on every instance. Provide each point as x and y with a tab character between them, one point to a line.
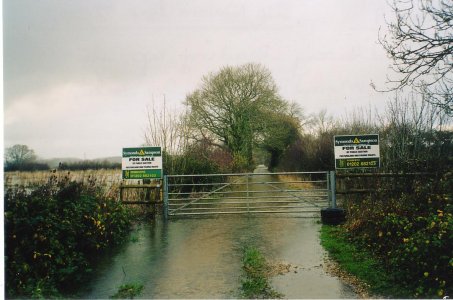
333	189
166	197
248	194
329	192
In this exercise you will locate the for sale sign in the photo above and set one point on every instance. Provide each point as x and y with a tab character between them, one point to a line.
142	163
357	151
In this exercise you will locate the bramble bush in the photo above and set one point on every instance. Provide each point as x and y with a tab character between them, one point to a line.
54	232
411	233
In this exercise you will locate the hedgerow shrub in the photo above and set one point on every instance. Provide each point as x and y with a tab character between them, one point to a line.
411	233
26	166
54	232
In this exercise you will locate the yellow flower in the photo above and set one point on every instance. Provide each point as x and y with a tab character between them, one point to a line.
426	274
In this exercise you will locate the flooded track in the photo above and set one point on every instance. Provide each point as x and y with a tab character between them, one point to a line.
201	258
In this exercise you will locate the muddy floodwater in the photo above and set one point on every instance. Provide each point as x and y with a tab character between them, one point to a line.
201	258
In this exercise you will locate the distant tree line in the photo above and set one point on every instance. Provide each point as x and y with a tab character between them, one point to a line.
89	165
22	158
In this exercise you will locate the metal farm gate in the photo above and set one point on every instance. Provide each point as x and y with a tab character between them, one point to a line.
295	193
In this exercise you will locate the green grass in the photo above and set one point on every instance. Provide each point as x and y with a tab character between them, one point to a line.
134	237
128	291
255	283
360	263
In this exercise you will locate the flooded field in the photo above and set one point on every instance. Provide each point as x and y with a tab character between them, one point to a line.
201	258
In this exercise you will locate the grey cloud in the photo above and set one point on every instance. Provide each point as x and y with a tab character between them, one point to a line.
117	52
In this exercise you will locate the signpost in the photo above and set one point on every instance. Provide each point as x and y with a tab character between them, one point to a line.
142	163
357	151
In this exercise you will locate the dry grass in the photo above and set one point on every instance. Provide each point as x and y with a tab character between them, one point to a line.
102	177
108	180
295	182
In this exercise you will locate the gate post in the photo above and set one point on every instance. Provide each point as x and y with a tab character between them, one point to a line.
332	190
165	197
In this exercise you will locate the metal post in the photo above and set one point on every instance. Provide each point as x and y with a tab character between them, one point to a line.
329	193
333	190
165	197
248	194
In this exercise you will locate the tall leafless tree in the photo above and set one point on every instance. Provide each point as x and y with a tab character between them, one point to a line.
420	43
166	128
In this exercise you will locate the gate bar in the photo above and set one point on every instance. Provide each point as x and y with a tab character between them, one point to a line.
166	197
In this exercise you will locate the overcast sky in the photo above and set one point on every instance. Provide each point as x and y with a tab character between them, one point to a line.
78	75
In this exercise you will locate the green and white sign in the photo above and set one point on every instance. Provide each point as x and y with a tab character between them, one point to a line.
357	151
142	163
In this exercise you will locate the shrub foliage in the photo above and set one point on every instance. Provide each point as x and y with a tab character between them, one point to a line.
411	233
54	232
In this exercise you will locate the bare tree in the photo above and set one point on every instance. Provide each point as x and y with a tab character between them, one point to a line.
420	43
359	120
412	134
19	154
167	129
321	122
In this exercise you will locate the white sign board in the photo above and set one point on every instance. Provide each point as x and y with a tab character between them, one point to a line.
356	151
142	163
